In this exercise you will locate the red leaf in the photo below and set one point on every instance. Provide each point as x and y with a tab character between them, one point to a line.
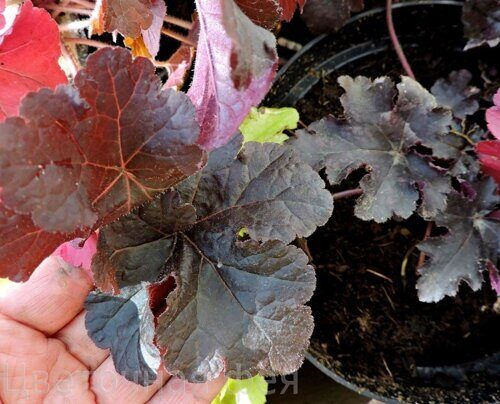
23	245
229	46
289	7
85	155
489	154
28	58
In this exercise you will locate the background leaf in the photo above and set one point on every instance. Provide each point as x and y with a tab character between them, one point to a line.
35	27
267	124
461	255
252	391
235	65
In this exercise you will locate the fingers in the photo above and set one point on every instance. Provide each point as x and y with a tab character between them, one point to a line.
110	387
178	391
79	344
50	298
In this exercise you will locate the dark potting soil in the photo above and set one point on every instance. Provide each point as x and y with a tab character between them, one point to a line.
371	328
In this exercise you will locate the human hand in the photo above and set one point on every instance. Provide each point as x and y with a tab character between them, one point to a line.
47	356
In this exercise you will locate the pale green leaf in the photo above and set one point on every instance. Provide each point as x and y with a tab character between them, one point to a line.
248	391
267	124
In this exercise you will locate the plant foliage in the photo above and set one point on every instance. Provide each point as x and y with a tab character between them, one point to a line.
256	287
380	135
81	156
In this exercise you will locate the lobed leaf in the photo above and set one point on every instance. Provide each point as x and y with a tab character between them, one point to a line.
238	305
35	27
379	135
472	241
268	13
82	156
481	20
235	65
456	94
128	17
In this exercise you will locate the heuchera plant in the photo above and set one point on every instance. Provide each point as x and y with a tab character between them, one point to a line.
188	225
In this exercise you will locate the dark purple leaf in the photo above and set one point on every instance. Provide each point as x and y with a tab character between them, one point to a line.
462	254
323	16
456	94
124	323
379	134
237	304
481	20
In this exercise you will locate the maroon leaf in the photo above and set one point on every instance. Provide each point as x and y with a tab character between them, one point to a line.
323	16
237	305
266	13
229	46
462	254
288	7
35	27
83	156
23	245
481	20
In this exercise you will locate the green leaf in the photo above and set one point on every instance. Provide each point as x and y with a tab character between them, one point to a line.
252	391
267	124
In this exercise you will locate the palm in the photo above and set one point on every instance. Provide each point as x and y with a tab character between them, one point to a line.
46	355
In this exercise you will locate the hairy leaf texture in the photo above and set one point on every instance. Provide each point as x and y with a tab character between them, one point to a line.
456	94
378	134
481	20
235	65
23	245
128	17
489	155
28	57
238	305
125	324
80	157
493	116
323	16
179	64
472	241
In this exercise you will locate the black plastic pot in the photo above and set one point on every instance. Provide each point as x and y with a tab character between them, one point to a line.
430	27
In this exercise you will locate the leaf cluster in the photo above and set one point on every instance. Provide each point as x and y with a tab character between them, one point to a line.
406	141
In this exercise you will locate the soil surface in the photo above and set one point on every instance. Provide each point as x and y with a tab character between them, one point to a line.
371	328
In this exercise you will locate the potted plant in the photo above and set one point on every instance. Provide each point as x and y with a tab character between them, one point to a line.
203	221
